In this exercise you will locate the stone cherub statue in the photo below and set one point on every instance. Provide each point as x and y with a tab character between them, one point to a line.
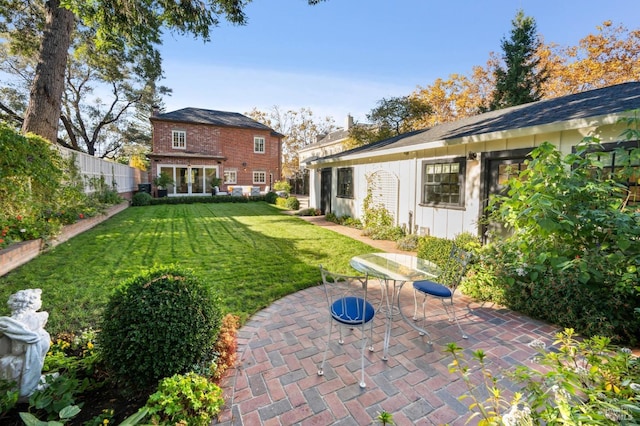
24	342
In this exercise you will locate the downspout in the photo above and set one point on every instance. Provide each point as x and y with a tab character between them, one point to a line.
412	215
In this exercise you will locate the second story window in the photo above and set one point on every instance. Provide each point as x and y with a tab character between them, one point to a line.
258	144
259	177
345	182
179	139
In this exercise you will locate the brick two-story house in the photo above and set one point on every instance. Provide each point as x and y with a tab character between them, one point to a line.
196	145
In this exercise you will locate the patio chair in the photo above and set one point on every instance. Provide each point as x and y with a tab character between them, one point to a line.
348	306
255	191
236	191
452	275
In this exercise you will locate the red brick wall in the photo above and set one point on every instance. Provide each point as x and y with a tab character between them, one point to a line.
233	145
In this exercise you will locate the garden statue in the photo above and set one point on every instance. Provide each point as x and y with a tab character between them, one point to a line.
23	341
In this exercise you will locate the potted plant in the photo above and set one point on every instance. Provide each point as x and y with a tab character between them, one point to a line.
162	181
215	185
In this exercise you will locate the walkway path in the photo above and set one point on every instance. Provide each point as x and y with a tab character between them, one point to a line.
276	382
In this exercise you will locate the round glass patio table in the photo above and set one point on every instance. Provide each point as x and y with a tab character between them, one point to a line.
393	270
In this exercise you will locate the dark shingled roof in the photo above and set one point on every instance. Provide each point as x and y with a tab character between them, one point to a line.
593	103
208	116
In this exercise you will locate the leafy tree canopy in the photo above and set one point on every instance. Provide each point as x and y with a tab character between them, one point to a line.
300	129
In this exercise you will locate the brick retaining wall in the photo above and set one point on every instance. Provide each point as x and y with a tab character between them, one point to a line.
20	253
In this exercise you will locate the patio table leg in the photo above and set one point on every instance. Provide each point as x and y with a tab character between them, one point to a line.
420	330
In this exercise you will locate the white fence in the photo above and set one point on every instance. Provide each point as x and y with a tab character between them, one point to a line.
125	178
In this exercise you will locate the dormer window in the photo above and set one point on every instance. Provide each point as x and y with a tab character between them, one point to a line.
179	139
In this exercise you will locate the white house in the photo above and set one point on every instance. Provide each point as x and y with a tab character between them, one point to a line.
437	181
326	144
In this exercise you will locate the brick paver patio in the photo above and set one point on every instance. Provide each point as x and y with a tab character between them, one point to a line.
275	381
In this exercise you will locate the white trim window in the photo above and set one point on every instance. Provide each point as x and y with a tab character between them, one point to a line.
179	139
230	176
258	145
259	177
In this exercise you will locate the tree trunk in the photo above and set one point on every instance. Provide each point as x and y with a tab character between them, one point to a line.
43	113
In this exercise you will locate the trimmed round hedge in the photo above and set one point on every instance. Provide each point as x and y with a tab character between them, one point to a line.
157	324
141	199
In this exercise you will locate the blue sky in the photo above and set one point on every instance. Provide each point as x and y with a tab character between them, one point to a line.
342	56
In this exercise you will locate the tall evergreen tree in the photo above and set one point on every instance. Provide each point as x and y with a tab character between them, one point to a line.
522	79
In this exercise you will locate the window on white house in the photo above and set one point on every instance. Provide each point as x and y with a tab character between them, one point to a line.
345	182
179	139
258	144
613	163
230	176
443	183
259	177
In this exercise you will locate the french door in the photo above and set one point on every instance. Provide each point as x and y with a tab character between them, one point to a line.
500	167
190	180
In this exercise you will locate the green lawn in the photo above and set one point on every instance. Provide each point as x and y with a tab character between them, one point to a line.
251	253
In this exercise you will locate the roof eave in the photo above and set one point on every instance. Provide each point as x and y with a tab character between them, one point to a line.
483	137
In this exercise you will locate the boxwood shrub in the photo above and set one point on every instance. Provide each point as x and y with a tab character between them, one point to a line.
157	324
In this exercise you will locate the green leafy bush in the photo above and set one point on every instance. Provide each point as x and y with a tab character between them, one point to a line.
282	185
408	242
196	199
309	212
271	197
141	199
351	222
292	203
281	202
8	395
40	190
187	399
390	233
332	217
586	382
573	255
345	220
435	249
158	323
60	392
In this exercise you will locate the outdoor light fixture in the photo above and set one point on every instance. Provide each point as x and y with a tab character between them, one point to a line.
472	155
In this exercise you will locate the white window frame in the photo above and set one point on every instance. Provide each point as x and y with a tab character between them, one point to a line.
230	176
259	145
179	139
258	174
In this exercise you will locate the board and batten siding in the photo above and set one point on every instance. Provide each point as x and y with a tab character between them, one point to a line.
408	166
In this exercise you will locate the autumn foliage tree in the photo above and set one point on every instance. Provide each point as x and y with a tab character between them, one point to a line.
300	129
609	56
